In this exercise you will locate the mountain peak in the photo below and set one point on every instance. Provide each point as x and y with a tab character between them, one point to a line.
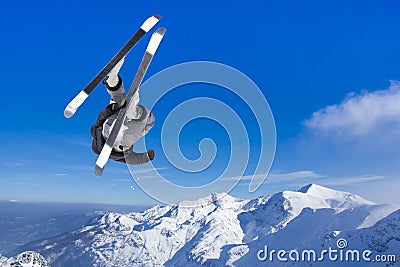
214	198
322	192
313	188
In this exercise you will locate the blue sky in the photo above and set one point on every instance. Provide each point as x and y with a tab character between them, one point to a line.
325	68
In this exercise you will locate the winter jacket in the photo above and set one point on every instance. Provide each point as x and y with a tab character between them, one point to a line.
132	131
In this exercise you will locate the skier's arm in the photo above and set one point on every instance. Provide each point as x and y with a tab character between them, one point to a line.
96	131
101	118
97	128
134	158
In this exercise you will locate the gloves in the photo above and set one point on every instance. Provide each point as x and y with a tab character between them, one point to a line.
151	154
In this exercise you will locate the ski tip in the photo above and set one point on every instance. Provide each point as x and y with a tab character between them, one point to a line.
161	31
69	112
155	40
73	106
150	22
157	16
98	171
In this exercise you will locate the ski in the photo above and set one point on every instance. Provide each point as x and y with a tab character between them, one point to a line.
148	56
78	100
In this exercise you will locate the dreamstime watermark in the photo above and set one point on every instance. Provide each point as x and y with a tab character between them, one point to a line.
236	86
338	254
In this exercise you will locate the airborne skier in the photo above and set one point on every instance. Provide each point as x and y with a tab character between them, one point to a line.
139	120
120	124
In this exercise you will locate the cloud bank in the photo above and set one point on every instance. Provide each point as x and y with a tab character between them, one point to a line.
361	115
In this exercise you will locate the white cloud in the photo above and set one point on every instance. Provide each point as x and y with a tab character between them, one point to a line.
361	115
147	170
278	177
294	175
13	164
121	180
61	174
299	178
19	183
351	180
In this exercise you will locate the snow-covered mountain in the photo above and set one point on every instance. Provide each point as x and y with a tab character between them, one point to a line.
21	223
25	259
221	230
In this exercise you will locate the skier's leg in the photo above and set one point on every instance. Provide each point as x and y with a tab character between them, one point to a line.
115	87
134	111
117	92
137	128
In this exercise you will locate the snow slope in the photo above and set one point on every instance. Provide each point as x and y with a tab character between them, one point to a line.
221	230
21	223
25	259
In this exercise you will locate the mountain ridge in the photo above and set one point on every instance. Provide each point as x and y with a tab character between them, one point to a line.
217	230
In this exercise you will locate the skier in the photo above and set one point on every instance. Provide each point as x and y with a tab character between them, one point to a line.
137	124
